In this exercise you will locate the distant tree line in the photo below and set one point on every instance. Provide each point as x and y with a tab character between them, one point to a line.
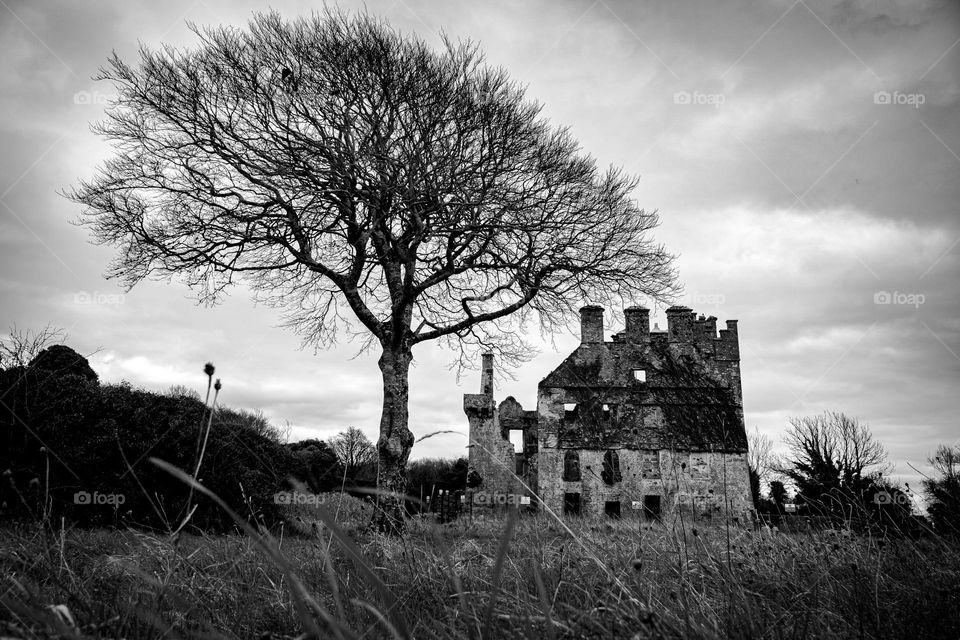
428	476
357	457
837	469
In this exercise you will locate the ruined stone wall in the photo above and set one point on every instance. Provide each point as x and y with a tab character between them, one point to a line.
491	457
668	403
699	483
696	484
550	456
677	430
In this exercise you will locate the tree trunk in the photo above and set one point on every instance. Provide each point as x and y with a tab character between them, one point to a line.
395	441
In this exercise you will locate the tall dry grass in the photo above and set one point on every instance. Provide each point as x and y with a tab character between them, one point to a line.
478	578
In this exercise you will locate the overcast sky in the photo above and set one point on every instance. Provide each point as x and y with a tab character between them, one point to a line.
803	157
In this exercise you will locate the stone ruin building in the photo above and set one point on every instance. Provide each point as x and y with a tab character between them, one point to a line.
649	422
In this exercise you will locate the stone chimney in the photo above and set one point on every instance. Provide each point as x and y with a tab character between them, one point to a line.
728	347
638	324
732	327
710	328
591	324
680	321
486	375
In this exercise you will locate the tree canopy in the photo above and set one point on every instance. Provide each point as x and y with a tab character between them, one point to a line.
358	179
943	490
833	459
355	452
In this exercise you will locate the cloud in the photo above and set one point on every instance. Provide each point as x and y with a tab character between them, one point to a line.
878	185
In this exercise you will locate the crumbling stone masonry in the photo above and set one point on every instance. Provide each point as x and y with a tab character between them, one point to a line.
650	422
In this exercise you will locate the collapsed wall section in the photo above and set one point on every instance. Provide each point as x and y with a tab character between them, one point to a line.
495	468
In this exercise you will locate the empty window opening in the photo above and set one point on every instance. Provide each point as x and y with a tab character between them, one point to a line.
521	465
612	508
611	467
651	507
571	466
639	375
516	439
571	504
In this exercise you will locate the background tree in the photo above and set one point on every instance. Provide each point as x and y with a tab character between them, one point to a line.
359	180
318	466
891	507
778	494
356	454
61	360
251	420
833	460
943	492
183	391
20	346
759	460
427	476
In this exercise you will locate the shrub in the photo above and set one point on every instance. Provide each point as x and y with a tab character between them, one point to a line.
62	430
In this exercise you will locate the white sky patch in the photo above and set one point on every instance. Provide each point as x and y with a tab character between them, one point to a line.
139	371
831	340
800	243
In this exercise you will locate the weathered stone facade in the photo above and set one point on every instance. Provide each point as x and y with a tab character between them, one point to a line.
649	421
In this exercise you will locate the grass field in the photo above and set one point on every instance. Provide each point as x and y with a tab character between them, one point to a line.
487	578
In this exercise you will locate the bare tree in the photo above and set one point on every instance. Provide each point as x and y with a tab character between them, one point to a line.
359	180
760	457
354	451
183	391
759	460
943	491
946	462
830	452
253	420
21	346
